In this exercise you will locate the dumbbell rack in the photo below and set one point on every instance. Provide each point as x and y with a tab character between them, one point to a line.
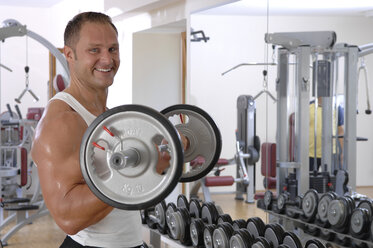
156	239
298	223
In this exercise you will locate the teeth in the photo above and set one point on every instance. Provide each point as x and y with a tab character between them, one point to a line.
103	70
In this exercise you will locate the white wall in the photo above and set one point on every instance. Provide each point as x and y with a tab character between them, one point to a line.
157	70
240	39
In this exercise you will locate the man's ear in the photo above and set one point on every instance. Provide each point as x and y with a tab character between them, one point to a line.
69	53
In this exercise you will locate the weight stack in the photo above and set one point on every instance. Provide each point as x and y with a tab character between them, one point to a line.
322	182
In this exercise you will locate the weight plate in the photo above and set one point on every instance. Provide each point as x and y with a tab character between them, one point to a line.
182	201
322	207
225	218
160	215
207	235
177	225
171	207
195	208
314	243
291	240
220	238
368	205
268	196
196	232
209	213
282	199
337	212
203	135
273	234
256	226
360	222
261	242
309	203
219	209
238	224
102	159
237	241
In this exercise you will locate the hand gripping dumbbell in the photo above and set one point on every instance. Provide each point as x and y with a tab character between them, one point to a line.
119	152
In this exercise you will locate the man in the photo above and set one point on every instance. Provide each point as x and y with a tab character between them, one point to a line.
92	52
340	132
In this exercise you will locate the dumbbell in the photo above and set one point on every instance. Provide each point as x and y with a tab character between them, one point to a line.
274	233
361	219
309	205
292	208
209	215
119	152
314	243
154	217
184	219
322	208
241	239
291	241
179	224
222	235
339	213
256	226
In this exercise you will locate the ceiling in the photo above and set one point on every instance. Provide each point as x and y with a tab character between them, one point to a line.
30	3
295	7
257	7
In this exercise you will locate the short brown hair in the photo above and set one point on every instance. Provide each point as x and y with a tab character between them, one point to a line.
72	30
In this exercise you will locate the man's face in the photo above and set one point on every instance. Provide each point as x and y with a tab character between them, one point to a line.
96	58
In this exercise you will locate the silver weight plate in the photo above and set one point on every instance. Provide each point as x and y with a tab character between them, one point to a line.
203	135
310	203
322	207
336	212
358	221
160	214
177	226
132	128
268	195
220	238
236	241
194	233
207	239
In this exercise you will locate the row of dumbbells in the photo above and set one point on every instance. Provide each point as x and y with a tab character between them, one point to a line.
342	214
200	224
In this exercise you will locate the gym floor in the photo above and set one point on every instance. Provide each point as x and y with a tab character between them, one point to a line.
44	233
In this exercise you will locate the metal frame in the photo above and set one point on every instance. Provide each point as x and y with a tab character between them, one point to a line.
304	46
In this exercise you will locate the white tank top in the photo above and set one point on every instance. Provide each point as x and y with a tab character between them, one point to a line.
120	228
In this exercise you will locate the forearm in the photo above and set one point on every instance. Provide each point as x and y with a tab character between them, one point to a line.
78	209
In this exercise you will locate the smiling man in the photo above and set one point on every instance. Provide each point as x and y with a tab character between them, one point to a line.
92	52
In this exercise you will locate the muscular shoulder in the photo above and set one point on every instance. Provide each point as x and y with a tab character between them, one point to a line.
61	128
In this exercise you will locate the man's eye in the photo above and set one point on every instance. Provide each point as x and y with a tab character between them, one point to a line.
93	50
113	49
